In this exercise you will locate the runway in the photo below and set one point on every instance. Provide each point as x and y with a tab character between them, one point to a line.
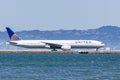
63	52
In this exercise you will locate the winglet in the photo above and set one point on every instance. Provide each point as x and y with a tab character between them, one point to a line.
11	34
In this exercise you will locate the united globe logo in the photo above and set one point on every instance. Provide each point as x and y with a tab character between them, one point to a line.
14	37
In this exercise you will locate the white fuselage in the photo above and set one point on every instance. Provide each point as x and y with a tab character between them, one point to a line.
60	43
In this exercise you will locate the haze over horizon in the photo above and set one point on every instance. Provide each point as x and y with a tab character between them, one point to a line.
58	14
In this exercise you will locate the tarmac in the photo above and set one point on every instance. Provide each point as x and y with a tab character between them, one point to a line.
63	52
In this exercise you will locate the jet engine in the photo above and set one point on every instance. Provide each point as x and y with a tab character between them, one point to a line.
66	47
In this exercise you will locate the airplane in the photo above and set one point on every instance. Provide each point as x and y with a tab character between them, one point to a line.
52	44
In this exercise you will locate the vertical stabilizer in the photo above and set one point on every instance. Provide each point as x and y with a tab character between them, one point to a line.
11	34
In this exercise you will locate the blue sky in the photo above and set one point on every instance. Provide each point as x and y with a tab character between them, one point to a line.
58	14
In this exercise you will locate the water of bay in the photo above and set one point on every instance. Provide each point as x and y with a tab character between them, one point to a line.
26	66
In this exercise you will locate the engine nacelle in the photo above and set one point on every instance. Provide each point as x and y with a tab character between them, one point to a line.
47	46
66	47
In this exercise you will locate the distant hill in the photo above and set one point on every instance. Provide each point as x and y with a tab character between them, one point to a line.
110	35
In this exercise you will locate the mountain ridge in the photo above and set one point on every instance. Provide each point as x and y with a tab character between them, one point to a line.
110	35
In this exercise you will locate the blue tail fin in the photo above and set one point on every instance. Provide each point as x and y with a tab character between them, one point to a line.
11	34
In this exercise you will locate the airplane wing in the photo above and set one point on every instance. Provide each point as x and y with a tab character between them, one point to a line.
61	46
53	45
